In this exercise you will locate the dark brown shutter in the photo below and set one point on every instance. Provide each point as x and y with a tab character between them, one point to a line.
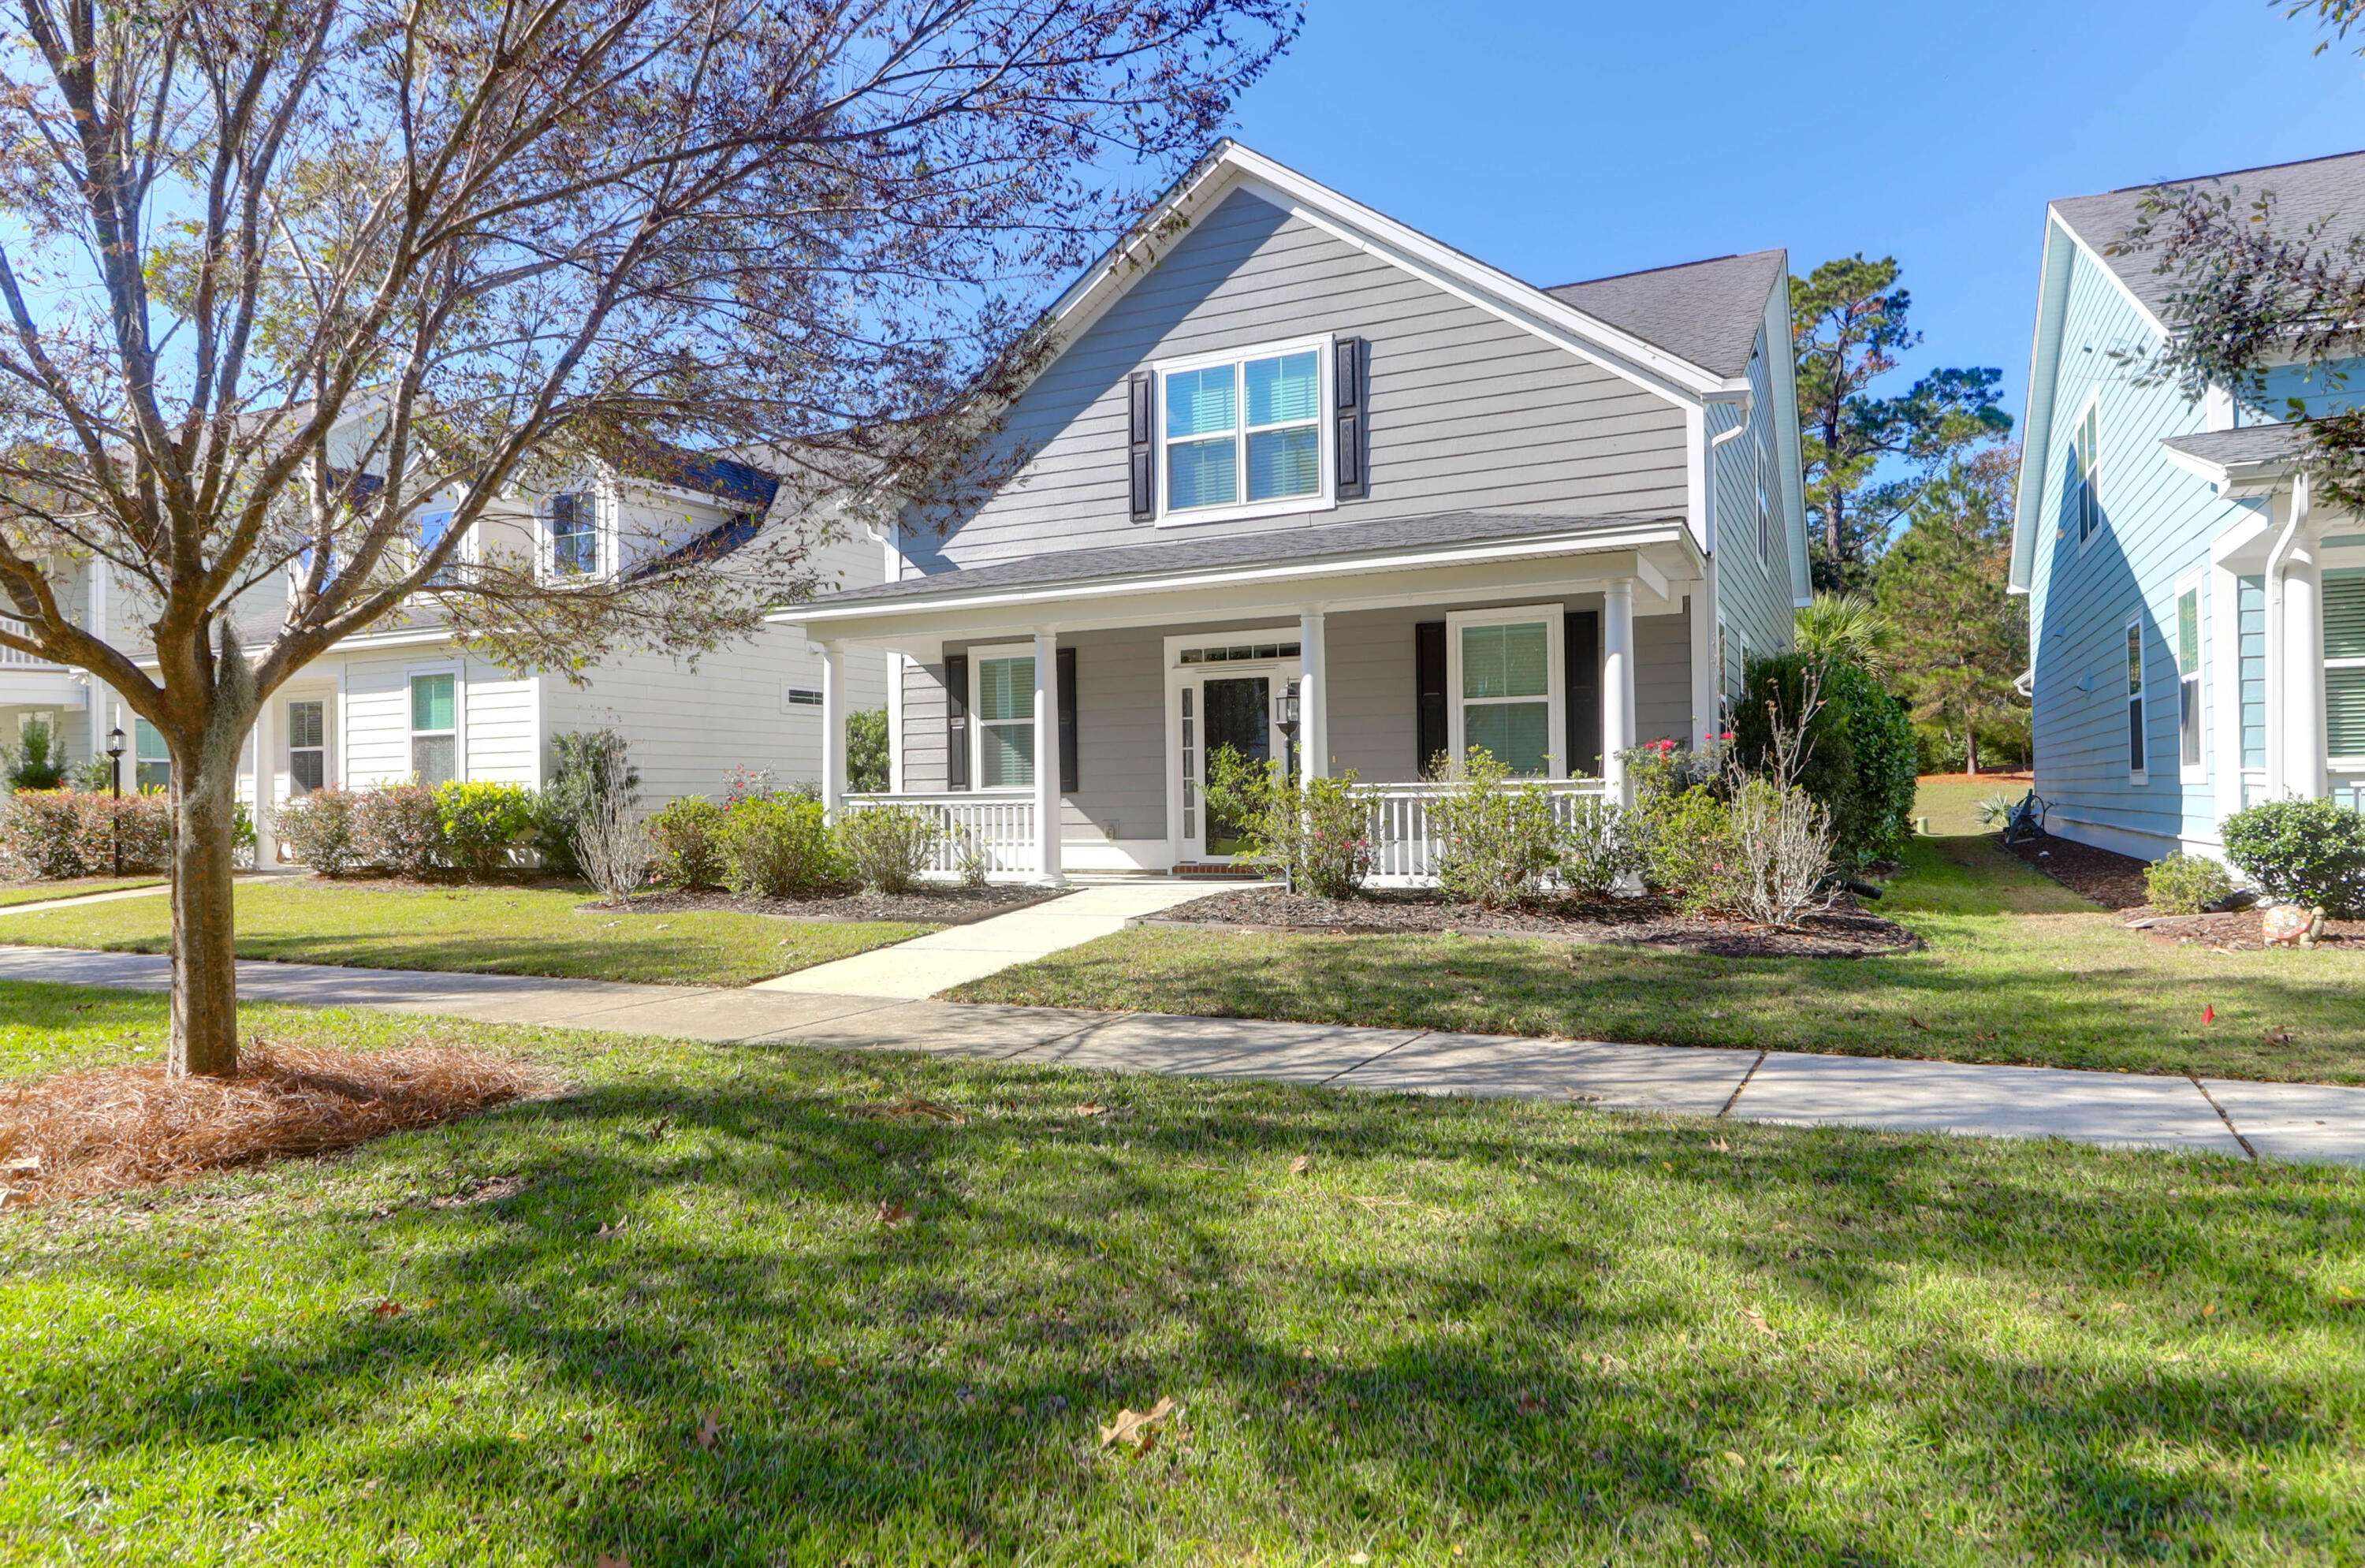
1429	672
1347	456
956	721
1583	651
1141	401
1066	665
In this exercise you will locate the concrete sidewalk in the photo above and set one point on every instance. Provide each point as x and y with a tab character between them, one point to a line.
2242	1120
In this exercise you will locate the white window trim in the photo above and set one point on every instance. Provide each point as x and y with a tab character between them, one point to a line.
1764	506
977	657
328	747
1555	676
2135	692
2089	496
466	556
605	528
458	672
2192	772
2338	560
1325	430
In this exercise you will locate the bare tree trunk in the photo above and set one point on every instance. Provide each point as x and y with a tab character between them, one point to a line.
1971	744
205	976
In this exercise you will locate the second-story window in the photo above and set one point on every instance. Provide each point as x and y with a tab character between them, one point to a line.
1764	504
571	525
1244	431
434	524
2086	474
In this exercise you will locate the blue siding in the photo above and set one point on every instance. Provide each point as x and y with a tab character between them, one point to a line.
2330	386
2254	671
2157	524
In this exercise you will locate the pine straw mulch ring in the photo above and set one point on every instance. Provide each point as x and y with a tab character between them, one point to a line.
79	1134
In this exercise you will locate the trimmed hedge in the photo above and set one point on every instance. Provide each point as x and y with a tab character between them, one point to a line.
2309	852
53	835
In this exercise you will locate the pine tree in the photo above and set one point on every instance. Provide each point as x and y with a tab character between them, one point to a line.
1959	639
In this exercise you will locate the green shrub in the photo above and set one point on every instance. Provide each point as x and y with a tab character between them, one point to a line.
1598	850
400	828
688	836
50	834
93	776
38	762
1496	834
2185	884
1319	835
781	849
2309	852
322	830
583	763
866	749
888	846
1859	761
482	823
1688	844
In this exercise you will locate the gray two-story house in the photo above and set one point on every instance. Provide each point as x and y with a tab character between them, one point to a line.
1303	482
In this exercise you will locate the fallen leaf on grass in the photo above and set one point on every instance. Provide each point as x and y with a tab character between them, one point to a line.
29	1165
1925	1029
617	1228
1719	1145
386	1309
911	1110
1137	1427
1297	1166
892	1213
1091	1108
1757	1321
709	1432
619	1561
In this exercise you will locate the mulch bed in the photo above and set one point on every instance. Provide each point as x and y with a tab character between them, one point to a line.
2116	882
931	905
2237	931
2110	878
1845	933
82	1133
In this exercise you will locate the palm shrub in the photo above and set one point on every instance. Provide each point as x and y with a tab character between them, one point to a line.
888	846
483	823
1856	754
322	830
1844	628
584	764
1316	834
687	835
399	828
2185	884
781	847
1496	835
2309	852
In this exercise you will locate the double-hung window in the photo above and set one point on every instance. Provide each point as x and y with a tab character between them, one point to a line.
1505	674
2190	766
151	759
571	531
2086	471
434	524
2343	667
1244	433
307	747
1003	703
435	727
2135	755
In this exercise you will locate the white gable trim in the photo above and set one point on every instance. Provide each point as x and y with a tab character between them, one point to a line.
2036	427
2053	212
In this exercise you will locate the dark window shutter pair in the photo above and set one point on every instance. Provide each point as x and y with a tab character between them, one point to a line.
1582	643
1349	379
1066	665
956	721
1430	740
1142	444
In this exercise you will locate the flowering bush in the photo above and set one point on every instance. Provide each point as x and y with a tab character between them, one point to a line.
687	835
1318	835
399	827
1686	845
777	848
1598	850
322	830
57	833
482	823
889	845
1496	836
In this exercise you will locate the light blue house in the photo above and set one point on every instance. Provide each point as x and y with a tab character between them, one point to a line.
2196	619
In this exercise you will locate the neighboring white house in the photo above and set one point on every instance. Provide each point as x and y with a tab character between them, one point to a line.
401	702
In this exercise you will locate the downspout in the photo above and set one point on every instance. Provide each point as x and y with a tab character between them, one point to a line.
2278	653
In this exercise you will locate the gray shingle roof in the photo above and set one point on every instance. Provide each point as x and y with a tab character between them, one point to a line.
1326	541
1706	312
2331	187
2235	448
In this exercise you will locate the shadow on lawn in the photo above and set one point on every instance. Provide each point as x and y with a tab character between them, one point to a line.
1534	1334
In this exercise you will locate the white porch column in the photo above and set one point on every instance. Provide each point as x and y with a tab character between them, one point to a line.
2303	739
833	727
1047	756
1313	699
1617	683
266	776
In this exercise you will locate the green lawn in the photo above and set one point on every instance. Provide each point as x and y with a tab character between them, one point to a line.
1952	802
2017	969
1481	1332
492	930
41	892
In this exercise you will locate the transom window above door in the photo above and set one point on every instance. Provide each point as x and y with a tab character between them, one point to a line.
1244	433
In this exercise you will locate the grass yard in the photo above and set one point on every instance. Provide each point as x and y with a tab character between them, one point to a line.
2017	969
489	930
819	1331
73	887
1951	801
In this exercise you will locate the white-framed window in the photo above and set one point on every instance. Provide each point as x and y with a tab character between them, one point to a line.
2192	758
1001	717
430	526
2086	471
2343	667
803	697
308	745
574	541
1764	504
2136	771
1243	433
435	725
1503	669
151	759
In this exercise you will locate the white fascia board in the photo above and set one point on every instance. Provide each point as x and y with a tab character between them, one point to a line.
1788	452
2036	427
2053	214
1327	568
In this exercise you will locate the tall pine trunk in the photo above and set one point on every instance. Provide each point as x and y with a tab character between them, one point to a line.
1971	746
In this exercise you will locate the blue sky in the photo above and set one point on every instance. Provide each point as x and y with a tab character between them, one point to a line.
1567	140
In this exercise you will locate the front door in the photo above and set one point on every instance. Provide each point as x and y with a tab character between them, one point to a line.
1218	695
1240	715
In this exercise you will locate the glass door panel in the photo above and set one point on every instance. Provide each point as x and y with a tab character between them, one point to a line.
1237	711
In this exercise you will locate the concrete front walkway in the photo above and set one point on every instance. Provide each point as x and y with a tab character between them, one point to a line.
2242	1120
942	960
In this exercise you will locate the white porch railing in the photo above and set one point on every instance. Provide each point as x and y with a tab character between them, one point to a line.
2348	789
1405	840
1001	825
16	658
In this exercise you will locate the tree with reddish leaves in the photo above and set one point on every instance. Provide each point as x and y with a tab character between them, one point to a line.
283	272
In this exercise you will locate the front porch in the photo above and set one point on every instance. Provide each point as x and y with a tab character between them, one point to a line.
1078	740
